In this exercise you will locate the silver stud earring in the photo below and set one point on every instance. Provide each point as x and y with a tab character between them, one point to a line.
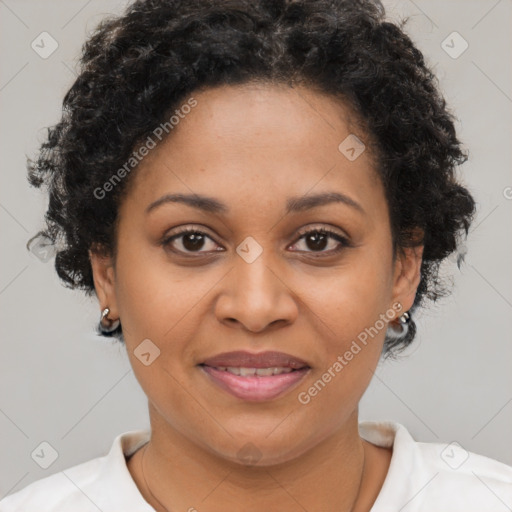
403	327
112	324
405	318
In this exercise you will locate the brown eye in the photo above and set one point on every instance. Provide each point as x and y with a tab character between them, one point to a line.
190	241
318	240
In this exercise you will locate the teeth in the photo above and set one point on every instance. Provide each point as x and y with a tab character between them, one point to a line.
265	372
247	372
277	371
251	372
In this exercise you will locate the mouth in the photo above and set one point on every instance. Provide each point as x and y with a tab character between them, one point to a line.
255	377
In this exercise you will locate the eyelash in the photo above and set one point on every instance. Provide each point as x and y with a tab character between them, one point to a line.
344	242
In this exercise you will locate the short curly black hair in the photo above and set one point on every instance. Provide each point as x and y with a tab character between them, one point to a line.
136	69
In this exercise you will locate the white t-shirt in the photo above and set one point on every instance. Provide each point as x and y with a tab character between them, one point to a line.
422	477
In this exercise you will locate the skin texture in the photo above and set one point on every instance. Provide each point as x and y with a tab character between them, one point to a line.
252	147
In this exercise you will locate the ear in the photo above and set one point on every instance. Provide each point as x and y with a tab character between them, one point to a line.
104	281
407	275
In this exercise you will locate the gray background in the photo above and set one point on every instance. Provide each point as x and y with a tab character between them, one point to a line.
62	384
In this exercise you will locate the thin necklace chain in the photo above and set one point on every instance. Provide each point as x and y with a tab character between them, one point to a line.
360	481
167	510
146	482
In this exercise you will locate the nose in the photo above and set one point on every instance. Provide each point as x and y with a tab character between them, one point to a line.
255	297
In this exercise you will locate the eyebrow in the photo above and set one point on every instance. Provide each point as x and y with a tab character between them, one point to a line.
293	204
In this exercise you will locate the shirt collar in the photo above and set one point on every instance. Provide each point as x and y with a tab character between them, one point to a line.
406	461
123	493
407	473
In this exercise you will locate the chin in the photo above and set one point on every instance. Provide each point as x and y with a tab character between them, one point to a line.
262	450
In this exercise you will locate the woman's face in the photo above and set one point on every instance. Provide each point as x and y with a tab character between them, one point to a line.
256	159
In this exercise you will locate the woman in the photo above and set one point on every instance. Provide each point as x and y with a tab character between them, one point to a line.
260	195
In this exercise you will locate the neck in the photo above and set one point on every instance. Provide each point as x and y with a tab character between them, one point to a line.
338	474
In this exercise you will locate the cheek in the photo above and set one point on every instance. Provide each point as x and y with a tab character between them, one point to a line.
152	309
349	297
352	333
161	303
152	295
348	306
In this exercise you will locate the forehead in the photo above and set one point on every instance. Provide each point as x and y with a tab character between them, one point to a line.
249	116
240	142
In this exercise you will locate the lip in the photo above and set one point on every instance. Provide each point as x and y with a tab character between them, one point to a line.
255	388
245	359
